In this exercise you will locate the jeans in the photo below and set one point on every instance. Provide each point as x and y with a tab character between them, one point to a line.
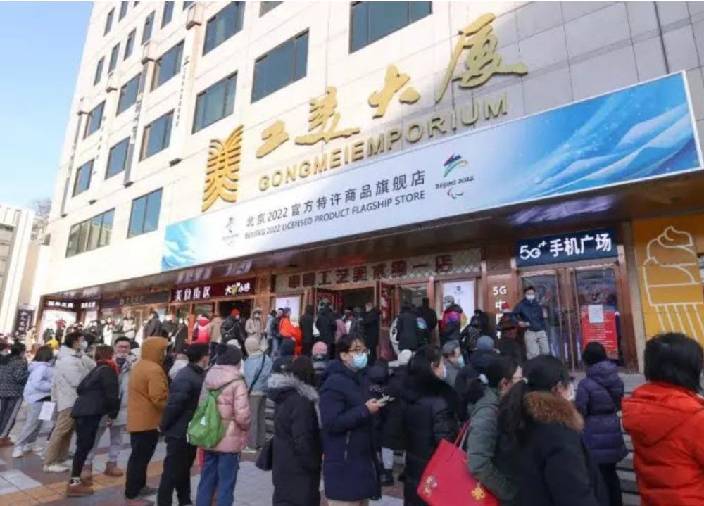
32	425
60	439
536	343
143	446
9	407
86	429
115	443
219	472
177	472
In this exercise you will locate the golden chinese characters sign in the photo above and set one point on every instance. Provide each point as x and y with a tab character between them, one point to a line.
223	172
477	41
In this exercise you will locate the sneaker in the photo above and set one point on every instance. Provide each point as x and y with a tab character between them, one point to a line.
55	468
18	452
78	489
146	491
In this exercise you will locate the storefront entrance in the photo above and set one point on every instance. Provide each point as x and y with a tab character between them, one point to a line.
580	305
346	299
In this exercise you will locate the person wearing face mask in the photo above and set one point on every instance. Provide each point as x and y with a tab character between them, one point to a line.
431	414
530	315
350	467
454	361
123	359
554	466
490	454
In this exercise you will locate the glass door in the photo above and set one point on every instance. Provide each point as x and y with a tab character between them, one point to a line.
547	290
596	299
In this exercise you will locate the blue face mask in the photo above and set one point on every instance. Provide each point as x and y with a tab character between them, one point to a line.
359	361
460	361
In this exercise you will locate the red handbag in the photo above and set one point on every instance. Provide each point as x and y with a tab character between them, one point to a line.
446	480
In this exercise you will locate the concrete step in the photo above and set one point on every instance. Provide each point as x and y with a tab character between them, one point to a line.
631	500
628	482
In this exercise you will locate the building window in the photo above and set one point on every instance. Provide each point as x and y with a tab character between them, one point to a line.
215	102
108	21
99	71
117	158
282	65
123	10
90	234
168	65
157	135
129	44
223	25
265	7
167	13
83	176
94	119
128	93
145	214
186	5
148	25
370	21
113	57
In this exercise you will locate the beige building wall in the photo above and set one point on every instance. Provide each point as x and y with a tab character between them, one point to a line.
572	50
15	233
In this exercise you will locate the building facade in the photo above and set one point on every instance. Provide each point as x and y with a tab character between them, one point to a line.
15	236
278	153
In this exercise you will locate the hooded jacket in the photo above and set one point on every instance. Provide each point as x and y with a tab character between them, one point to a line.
255	362
98	393
233	405
350	465
430	415
599	398
296	450
13	375
555	466
38	387
184	393
666	423
148	387
289	331
69	370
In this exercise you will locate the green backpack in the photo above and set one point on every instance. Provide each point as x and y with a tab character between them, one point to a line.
206	428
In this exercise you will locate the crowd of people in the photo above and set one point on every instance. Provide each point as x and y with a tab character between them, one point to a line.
346	414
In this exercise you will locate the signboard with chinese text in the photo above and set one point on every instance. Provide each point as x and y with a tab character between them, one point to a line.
213	290
570	247
601	329
639	133
23	320
60	304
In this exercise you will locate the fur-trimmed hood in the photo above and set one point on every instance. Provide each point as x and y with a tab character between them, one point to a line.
545	407
279	384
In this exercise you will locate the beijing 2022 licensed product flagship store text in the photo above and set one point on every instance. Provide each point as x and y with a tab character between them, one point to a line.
477	216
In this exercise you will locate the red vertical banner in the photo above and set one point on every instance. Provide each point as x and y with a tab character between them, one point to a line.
599	325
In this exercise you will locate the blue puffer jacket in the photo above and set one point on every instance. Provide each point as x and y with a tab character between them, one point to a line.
599	398
350	466
38	387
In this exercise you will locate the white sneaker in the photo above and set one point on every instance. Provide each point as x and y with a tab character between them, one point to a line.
38	450
55	468
18	452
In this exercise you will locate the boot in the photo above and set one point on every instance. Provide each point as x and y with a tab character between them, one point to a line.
87	475
111	469
78	489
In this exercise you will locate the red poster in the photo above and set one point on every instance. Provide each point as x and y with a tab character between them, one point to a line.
599	325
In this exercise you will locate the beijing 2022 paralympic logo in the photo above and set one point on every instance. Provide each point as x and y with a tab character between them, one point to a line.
453	165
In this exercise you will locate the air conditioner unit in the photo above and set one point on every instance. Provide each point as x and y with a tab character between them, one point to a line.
148	52
194	15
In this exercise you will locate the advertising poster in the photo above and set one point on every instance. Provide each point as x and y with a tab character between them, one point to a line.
462	293
638	133
599	324
293	303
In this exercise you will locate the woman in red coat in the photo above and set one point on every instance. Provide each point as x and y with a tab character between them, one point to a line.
665	418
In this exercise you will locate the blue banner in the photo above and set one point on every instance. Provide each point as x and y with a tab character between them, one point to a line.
639	133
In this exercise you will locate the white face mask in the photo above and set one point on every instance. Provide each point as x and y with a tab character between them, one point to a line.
530	298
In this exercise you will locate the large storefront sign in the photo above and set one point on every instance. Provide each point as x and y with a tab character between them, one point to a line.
420	267
667	256
213	290
587	245
641	132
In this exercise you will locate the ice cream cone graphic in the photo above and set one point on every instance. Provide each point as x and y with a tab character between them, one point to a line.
673	283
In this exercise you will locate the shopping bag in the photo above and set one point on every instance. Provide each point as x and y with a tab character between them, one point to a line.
47	412
446	480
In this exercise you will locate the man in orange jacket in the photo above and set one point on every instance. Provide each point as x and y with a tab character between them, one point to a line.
288	330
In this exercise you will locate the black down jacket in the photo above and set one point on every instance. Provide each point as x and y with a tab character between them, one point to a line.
296	450
98	393
430	414
184	394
